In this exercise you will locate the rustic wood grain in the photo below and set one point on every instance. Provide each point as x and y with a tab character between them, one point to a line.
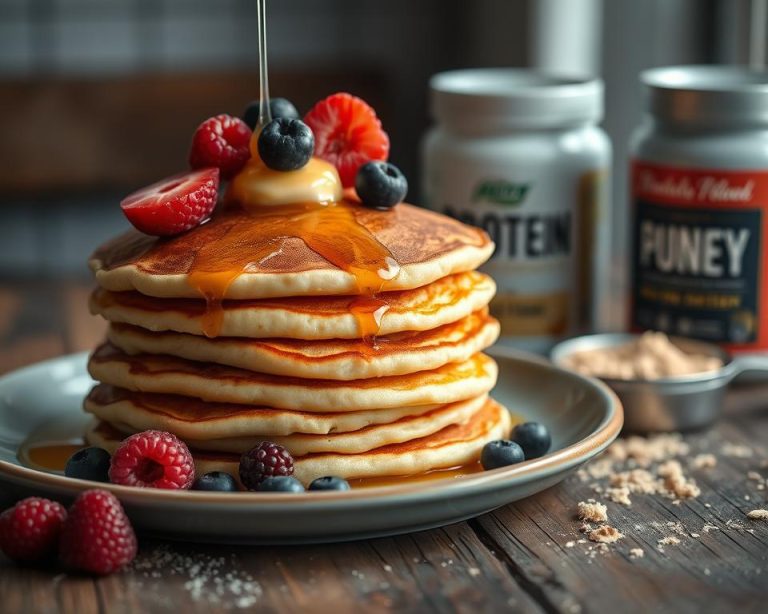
515	559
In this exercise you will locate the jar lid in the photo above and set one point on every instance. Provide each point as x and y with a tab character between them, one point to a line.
708	95
515	98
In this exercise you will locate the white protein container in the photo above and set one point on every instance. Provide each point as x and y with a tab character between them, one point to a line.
519	154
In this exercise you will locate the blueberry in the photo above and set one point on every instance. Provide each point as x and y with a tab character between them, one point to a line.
330	482
533	438
89	464
380	185
286	144
215	480
501	453
278	107
280	483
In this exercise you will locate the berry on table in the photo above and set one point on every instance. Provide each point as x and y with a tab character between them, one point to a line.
280	483
218	481
286	144
347	134
29	531
97	536
501	453
223	142
89	464
264	460
330	482
278	107
175	204
533	438
380	185
153	459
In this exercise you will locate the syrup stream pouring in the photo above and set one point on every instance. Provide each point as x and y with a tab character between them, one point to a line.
672	403
265	115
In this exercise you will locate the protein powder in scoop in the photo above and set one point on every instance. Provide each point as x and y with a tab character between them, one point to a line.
700	206
519	154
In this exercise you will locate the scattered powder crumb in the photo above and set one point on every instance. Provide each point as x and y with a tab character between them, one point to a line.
709	527
636	481
592	511
388	568
706	571
474	572
605	535
636	553
736	450
206	578
619	494
670	540
695	535
570	544
737	526
758	515
704	461
707	505
581	541
675	481
647	450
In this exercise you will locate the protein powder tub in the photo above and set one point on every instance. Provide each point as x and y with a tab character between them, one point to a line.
700	206
519	154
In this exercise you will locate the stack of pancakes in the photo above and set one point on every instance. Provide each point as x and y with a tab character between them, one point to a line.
277	355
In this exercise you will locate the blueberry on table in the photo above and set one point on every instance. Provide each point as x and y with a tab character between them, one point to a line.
215	481
380	185
89	464
501	453
281	483
330	482
286	144
533	438
278	107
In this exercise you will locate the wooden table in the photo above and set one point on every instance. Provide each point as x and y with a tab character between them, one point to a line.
524	557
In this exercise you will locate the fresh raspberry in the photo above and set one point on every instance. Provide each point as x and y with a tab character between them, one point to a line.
175	204
222	141
347	134
97	536
153	459
29	531
265	460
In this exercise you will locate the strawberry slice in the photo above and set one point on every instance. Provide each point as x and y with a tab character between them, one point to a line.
175	204
347	134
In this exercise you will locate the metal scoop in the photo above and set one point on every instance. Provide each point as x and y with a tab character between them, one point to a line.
673	403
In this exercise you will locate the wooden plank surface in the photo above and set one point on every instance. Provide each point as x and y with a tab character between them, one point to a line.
525	557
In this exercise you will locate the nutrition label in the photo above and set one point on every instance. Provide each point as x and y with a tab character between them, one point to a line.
698	254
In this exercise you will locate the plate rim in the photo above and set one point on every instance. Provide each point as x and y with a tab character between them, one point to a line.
562	460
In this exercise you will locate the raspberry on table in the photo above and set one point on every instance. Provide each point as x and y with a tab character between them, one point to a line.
153	459
97	536
221	141
264	460
347	134
29	531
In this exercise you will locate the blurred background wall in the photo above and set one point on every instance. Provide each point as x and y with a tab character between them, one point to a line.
100	97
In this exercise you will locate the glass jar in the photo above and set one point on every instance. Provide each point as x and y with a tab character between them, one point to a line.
519	154
699	206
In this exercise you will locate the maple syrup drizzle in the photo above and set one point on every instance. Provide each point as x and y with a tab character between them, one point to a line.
418	478
48	456
330	230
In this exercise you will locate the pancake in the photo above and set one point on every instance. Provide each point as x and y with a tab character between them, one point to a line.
336	359
195	419
236	432
444	301
210	382
250	255
453	446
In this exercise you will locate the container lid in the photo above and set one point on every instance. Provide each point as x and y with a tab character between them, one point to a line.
515	98
708	95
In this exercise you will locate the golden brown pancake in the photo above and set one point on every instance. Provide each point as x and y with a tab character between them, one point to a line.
453	446
338	359
223	428
266	260
210	382
444	301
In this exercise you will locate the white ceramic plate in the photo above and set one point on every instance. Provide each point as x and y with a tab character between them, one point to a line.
42	402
